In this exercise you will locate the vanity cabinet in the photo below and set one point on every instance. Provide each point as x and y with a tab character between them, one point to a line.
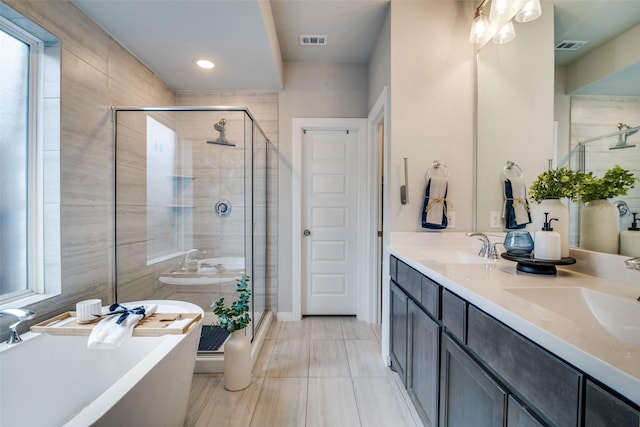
463	367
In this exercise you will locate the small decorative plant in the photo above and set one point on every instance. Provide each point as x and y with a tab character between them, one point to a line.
237	316
615	182
556	184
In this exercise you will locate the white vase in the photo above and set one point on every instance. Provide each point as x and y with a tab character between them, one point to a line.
237	361
558	210
599	227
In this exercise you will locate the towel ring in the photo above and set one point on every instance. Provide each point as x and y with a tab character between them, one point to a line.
510	166
438	166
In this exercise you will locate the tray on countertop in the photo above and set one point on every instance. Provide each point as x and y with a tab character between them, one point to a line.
155	325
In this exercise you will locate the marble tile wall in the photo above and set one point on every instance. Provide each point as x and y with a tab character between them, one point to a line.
96	73
592	116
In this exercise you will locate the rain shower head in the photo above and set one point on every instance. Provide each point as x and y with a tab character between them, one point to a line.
622	138
222	139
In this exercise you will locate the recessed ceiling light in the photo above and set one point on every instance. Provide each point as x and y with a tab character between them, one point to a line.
206	64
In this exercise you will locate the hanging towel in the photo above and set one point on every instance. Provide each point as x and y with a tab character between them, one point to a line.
434	207
111	331
516	206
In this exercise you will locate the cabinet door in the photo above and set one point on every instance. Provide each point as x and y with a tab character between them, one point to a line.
603	409
423	364
399	332
468	395
518	416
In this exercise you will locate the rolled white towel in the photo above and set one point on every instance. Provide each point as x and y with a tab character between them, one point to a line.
108	334
520	205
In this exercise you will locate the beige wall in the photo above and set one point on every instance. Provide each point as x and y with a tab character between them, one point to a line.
96	74
432	86
310	90
380	63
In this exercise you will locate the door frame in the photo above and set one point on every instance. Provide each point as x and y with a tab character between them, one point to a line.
365	264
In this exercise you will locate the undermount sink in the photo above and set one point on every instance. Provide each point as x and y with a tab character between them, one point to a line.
452	256
620	317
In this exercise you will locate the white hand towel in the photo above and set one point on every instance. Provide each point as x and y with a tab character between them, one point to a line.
107	334
519	195
436	208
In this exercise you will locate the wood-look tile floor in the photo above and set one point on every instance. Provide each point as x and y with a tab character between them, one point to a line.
320	371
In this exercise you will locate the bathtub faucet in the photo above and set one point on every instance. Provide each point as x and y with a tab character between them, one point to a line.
22	315
187	258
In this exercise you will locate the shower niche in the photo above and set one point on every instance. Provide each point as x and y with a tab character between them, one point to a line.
191	206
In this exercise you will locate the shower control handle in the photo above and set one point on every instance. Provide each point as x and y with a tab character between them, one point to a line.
307	232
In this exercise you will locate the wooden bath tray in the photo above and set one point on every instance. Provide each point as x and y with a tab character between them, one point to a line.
152	326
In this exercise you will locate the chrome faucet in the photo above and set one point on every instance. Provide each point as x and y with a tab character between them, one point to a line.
488	249
189	254
22	315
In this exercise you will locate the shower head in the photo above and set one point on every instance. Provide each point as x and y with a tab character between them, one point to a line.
622	138
220	125
222	139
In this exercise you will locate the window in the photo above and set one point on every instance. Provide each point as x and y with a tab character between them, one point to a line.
29	195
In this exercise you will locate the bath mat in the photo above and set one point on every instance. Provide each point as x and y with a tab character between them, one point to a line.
211	338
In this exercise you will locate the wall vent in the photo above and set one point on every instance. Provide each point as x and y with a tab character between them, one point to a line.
313	40
570	44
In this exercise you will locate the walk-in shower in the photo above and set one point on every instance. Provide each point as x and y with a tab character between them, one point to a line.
191	205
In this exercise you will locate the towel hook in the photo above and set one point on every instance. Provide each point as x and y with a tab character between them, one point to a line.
510	166
438	166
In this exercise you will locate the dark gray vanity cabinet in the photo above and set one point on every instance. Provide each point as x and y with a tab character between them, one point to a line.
603	409
463	367
423	363
398	332
468	395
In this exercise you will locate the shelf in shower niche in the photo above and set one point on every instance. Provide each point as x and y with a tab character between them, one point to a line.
182	176
180	206
155	325
537	266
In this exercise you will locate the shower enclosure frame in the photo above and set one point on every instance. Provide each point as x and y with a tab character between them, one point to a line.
250	232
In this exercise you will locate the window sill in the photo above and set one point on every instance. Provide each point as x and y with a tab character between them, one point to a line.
27	300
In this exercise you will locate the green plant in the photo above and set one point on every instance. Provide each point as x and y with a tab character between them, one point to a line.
555	184
615	182
237	316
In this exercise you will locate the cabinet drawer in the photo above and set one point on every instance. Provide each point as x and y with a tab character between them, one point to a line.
393	268
454	314
430	298
603	409
410	280
540	378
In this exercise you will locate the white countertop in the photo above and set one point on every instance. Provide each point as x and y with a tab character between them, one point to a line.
495	286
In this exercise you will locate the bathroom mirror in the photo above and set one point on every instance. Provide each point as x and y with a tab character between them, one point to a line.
525	115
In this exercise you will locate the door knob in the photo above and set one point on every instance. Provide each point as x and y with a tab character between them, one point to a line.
307	232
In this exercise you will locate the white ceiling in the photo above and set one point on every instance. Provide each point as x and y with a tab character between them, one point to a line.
238	36
249	39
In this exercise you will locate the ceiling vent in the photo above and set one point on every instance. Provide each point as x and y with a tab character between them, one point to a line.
570	44
308	40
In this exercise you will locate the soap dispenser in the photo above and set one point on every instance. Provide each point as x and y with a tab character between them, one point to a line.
630	239
547	242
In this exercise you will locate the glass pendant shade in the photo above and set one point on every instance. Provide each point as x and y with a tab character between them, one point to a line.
501	10
480	30
506	34
530	11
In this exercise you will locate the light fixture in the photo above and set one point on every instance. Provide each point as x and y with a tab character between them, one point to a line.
480	29
530	11
505	34
499	26
204	63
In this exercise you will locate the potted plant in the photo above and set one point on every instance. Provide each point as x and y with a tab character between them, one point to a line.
547	190
599	219
237	349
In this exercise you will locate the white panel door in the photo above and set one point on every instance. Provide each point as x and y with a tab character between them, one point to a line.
329	214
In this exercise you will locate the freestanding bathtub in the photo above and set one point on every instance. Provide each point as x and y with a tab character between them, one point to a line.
53	380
